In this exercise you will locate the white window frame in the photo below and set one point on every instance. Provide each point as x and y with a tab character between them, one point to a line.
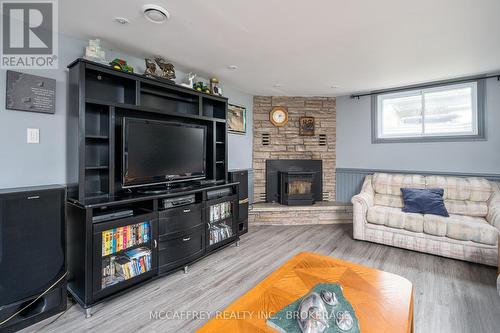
478	132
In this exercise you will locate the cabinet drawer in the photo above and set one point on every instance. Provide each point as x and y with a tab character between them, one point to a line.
177	251
179	219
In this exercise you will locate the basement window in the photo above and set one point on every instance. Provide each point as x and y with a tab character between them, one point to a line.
451	112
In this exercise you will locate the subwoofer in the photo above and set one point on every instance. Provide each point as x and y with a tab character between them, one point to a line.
32	255
241	176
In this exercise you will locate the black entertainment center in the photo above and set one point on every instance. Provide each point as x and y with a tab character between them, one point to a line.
148	189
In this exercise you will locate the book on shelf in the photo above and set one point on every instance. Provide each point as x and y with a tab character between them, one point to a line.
121	238
132	263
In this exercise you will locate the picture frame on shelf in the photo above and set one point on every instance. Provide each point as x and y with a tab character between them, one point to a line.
237	119
306	126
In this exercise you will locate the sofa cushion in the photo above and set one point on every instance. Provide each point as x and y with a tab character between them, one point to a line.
456	188
461	227
424	201
435	226
388	200
465	207
385	183
395	218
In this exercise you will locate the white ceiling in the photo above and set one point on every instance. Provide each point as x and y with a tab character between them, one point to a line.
306	46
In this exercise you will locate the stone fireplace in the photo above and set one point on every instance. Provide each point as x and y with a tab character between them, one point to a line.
286	143
283	195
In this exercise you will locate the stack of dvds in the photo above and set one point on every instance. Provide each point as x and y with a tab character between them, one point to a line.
220	212
119	268
219	232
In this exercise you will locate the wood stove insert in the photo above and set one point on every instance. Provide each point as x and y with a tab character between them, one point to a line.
296	187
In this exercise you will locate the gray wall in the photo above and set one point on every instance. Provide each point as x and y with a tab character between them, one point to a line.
355	150
23	164
240	146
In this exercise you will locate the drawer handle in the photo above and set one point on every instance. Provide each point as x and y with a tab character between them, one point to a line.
156	244
186	239
186	210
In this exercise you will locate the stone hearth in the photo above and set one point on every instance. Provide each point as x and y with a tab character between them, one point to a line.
323	212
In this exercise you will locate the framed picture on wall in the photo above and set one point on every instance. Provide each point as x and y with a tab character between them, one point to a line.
306	126
236	119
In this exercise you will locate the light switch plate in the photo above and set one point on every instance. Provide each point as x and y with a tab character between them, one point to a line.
33	135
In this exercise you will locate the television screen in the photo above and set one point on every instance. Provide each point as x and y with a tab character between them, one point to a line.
157	152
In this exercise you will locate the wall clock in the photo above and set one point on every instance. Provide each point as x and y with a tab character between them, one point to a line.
279	116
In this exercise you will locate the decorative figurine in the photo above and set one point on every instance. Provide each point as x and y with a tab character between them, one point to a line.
200	86
150	68
167	69
94	51
121	65
215	88
190	80
313	316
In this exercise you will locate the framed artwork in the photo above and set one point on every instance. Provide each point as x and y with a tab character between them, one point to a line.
26	92
236	119
306	126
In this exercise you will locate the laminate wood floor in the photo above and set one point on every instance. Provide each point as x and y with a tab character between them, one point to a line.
450	295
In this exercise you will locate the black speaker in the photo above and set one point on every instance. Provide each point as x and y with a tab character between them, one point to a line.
241	176
32	255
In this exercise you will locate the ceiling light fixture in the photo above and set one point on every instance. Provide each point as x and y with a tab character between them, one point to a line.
155	13
277	85
121	20
232	67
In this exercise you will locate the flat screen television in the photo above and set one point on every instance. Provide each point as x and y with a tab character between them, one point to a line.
160	152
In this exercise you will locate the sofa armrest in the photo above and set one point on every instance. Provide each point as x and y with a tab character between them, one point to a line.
493	216
365	197
361	202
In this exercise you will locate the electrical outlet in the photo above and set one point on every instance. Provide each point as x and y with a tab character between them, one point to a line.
33	135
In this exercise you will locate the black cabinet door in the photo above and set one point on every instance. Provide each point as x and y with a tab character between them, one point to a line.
109	260
218	219
180	249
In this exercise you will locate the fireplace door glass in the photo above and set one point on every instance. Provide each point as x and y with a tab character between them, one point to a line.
299	186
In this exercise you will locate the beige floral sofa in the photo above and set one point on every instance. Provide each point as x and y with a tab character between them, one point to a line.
470	233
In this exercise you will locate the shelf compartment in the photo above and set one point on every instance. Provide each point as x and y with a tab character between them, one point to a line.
214	108
96	183
124	238
220	171
130	264
96	154
96	121
169	100
220	212
220	154
109	88
220	132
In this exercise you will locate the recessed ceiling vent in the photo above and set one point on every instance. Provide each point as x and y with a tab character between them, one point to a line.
155	13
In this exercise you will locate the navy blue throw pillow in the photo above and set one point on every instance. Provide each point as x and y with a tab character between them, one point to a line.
424	201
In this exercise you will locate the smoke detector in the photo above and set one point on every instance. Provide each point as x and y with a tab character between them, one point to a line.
155	13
